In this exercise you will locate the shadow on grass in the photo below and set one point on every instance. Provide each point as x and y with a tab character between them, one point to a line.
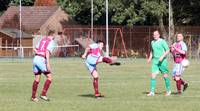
87	95
155	92
158	93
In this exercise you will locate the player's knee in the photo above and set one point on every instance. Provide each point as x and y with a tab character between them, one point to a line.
37	78
153	76
165	75
95	74
177	78
49	77
96	77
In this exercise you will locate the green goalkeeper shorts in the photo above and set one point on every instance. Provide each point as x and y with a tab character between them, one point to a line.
159	66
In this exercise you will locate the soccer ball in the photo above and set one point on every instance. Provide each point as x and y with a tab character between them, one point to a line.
185	63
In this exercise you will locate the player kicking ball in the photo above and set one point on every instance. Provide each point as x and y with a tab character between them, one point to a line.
93	56
178	50
41	64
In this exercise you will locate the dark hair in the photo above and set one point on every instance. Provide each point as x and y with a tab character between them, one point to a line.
99	41
51	32
157	31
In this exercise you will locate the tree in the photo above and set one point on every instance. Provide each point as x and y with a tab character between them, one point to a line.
123	12
3	5
126	12
186	12
156	9
78	9
24	2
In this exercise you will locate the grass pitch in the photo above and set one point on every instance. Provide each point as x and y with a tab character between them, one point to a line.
125	87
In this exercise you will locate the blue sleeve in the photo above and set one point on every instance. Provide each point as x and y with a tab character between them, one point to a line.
93	46
51	46
184	47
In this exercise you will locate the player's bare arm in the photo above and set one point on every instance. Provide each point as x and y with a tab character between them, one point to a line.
85	53
48	60
164	55
179	50
150	57
34	50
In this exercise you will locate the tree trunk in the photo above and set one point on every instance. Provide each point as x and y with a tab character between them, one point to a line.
162	28
171	26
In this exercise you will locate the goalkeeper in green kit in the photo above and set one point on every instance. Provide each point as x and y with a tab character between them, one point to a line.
158	59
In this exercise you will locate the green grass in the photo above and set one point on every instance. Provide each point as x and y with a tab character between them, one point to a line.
125	88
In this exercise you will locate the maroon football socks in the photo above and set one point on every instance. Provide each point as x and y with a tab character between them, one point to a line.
34	88
95	84
107	60
46	87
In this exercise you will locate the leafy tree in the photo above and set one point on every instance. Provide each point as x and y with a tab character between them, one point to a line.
186	12
78	9
24	2
157	9
3	5
126	12
122	12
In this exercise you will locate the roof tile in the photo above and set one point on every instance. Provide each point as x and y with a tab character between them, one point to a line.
32	16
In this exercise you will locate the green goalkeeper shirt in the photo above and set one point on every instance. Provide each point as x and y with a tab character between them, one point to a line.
158	48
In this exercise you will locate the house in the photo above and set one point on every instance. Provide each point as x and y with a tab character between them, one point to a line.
10	38
35	20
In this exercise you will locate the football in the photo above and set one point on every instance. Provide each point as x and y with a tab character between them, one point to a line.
185	63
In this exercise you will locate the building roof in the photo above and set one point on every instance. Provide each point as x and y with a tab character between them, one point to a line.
33	17
15	33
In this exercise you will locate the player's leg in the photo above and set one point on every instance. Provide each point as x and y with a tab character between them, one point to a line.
46	87
154	72
178	83
167	84
153	85
48	80
91	63
36	81
182	82
109	60
114	61
177	76
164	70
95	82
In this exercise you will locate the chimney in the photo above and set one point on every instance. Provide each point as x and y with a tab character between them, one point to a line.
45	3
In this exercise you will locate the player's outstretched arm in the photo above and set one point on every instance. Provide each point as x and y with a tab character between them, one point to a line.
85	53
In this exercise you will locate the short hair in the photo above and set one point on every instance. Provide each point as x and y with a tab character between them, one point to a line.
99	41
156	31
51	32
180	34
